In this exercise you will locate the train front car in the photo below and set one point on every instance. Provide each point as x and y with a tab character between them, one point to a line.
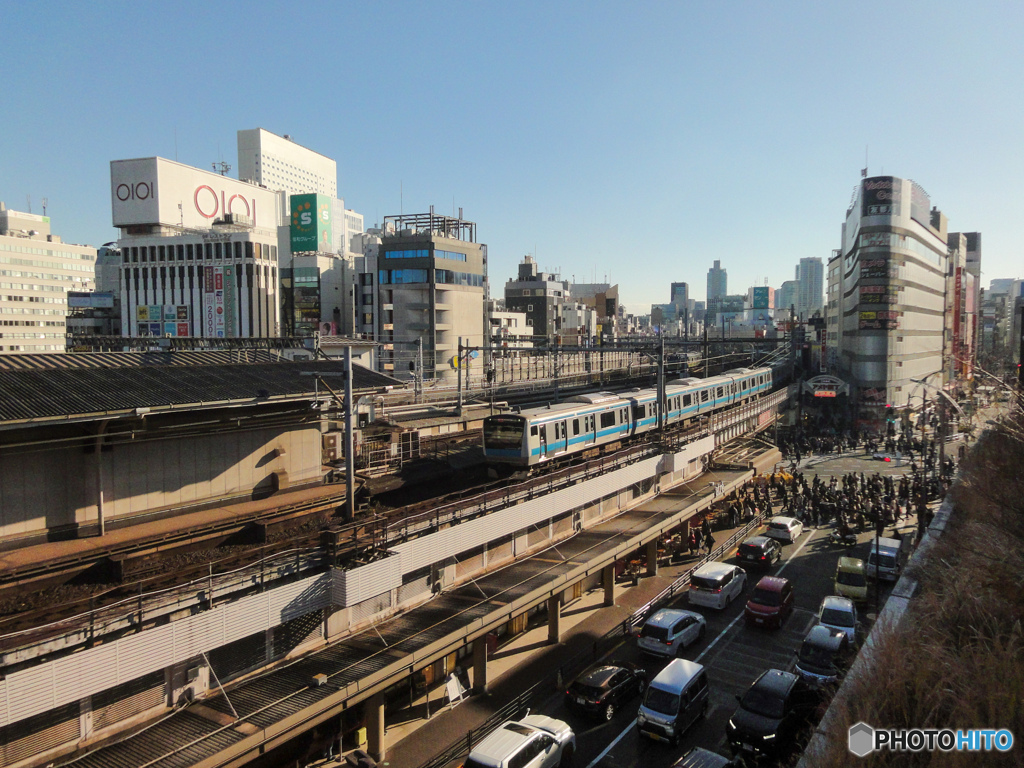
505	440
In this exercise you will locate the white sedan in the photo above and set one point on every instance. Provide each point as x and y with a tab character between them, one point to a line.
786	529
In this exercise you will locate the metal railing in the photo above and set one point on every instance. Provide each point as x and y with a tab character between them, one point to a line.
461	747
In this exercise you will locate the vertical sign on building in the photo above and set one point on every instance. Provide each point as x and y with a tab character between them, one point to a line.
957	309
218	298
230	305
209	309
311	224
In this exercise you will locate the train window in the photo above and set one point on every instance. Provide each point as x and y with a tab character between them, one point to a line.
607	419
743	385
687	400
638	412
721	391
533	430
575	426
703	395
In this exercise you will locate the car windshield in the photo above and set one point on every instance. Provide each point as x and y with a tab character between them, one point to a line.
814	657
766	597
837	617
705	582
471	763
654	632
761	702
778	526
661	701
886	561
851	579
750	549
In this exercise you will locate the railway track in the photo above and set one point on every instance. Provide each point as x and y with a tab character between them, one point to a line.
104	575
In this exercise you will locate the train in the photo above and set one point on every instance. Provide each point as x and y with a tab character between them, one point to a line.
586	423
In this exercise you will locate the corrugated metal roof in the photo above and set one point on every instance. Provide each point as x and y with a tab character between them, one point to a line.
46	393
137	359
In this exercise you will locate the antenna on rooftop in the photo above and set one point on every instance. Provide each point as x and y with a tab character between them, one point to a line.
45	201
221	167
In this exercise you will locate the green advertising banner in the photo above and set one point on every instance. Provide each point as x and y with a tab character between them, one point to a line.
311	224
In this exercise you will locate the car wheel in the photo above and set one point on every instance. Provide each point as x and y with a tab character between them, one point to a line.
609	711
567	756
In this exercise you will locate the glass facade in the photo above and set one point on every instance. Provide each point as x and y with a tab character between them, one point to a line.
300	288
424	253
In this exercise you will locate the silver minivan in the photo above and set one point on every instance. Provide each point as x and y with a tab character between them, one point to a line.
670	630
673	700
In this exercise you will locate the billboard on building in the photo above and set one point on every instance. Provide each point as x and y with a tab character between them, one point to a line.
230	303
154	190
761	298
920	205
882	196
311	224
90	300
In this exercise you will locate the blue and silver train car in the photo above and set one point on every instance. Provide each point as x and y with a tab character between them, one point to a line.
590	421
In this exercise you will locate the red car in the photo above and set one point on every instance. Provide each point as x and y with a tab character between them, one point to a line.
771	602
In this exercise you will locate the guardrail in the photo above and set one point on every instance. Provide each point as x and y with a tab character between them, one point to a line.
641	614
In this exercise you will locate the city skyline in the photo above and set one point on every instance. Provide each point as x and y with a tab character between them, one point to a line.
574	132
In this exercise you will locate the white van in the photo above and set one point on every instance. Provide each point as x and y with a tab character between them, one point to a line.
673	700
886	559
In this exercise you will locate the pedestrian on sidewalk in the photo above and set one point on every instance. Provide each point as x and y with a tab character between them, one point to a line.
698	538
709	542
692	542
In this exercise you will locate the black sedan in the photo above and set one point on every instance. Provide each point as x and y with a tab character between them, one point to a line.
603	688
770	714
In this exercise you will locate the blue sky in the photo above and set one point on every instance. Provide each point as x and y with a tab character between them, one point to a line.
635	142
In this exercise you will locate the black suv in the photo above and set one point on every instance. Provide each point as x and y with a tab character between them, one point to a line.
603	688
759	551
770	714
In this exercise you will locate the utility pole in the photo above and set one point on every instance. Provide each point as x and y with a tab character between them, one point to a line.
350	460
661	388
419	364
458	373
706	353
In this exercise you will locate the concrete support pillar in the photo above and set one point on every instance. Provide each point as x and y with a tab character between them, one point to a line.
480	664
608	579
375	726
554	619
652	558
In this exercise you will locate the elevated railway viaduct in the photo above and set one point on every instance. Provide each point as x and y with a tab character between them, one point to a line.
225	668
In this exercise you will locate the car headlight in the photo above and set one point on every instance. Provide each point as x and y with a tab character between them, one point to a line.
732	724
769	737
641	718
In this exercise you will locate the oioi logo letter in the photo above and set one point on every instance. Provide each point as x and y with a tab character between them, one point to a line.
862	739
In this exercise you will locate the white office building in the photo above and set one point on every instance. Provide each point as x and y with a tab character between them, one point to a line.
887	296
278	163
37	271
